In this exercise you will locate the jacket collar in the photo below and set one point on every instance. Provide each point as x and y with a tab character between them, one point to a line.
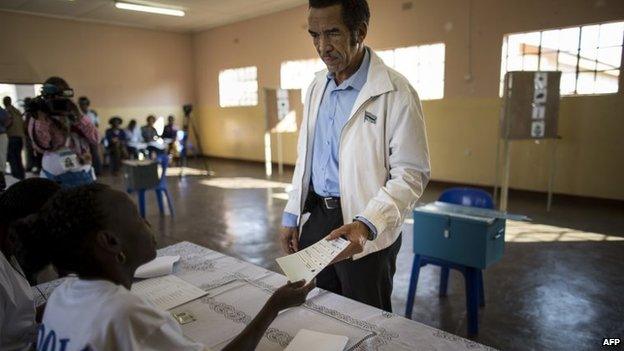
377	83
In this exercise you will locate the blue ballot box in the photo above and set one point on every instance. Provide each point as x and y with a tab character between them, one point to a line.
469	236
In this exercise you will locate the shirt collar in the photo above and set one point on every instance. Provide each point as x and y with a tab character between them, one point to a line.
357	79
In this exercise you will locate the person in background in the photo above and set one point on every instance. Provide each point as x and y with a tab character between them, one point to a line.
151	137
134	140
170	134
170	131
20	258
84	103
33	158
16	133
97	233
116	143
5	120
64	139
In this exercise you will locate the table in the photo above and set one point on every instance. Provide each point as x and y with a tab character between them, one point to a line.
237	290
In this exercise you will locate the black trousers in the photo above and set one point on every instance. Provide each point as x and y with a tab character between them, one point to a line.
14	156
96	161
368	279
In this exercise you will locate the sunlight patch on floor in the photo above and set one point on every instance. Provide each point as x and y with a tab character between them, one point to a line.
243	183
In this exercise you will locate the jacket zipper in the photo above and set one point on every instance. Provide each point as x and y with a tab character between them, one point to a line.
340	147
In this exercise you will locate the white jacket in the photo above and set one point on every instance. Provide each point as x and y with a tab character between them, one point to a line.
383	154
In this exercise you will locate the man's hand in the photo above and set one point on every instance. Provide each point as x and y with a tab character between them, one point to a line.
289	239
357	233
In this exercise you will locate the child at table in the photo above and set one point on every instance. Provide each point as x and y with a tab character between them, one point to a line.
97	233
17	307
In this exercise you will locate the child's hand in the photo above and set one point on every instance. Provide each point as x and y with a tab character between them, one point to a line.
291	295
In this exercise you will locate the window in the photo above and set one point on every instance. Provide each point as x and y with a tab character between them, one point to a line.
299	74
18	92
589	57
238	87
422	65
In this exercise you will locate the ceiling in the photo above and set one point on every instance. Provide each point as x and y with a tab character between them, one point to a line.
200	14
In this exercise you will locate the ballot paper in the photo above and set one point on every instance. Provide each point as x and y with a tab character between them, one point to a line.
309	262
167	292
157	267
310	340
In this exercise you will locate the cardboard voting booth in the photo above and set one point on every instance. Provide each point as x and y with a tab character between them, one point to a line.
469	236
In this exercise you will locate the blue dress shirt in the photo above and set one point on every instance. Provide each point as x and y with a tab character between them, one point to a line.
334	111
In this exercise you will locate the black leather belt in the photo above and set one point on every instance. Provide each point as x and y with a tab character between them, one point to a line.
329	203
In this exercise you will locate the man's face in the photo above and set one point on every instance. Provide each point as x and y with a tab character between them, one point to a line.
332	39
7	102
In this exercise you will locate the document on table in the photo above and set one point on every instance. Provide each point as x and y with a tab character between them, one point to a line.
162	265
309	262
167	292
310	340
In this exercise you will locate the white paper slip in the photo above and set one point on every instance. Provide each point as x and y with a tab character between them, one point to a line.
310	340
309	262
157	267
167	292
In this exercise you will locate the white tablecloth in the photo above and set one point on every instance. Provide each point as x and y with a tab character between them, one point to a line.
237	290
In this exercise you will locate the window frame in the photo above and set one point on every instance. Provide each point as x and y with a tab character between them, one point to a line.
505	55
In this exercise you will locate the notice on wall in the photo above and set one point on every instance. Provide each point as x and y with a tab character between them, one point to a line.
283	105
531	105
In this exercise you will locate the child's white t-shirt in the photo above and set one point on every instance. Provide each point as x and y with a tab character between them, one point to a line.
99	315
17	308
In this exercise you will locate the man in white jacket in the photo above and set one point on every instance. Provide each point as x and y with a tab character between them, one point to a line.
363	160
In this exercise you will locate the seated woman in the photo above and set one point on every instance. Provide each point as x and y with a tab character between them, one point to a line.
155	144
116	143
97	232
17	307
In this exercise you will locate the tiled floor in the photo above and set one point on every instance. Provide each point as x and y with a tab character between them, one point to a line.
543	295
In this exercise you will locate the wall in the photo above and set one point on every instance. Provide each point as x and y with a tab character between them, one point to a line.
462	127
125	71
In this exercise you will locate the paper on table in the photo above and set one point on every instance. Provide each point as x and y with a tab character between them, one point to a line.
157	267
309	262
167	292
310	340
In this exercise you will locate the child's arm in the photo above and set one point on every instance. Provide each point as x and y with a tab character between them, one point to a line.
289	295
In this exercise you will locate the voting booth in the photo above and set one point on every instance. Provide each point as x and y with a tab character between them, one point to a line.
530	111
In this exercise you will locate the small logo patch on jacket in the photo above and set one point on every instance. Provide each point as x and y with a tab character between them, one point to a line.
369	117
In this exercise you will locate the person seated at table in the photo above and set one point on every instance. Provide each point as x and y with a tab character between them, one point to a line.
150	136
116	143
17	307
170	135
170	131
97	233
134	139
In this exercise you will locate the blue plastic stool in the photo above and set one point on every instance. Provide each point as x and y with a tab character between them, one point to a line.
473	277
160	189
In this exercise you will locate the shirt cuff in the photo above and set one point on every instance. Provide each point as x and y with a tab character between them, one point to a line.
289	220
370	226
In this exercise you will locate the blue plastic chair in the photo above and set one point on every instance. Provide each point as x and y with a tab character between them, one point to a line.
473	277
160	189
